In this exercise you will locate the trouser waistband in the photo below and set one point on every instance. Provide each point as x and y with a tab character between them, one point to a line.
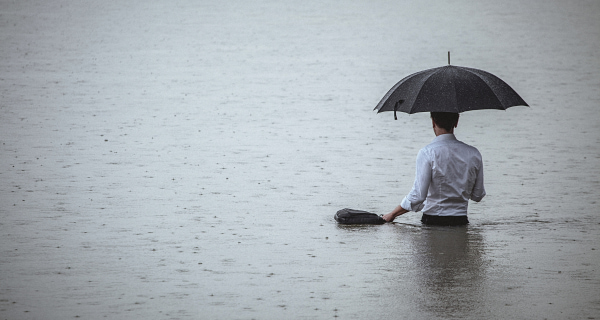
444	220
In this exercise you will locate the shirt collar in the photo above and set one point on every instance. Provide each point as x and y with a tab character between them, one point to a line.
445	137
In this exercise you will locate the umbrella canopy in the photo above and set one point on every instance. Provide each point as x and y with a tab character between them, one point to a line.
449	89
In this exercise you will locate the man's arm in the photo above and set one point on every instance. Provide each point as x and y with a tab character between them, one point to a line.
478	190
414	200
395	213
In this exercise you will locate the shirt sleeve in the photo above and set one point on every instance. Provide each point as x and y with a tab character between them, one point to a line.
478	190
414	201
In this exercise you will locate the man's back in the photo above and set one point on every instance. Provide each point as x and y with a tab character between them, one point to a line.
449	173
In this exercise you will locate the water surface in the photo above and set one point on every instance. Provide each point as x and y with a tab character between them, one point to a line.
184	159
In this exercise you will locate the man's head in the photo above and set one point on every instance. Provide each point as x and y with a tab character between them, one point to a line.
445	120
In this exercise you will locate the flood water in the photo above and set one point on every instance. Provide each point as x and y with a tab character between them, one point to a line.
184	160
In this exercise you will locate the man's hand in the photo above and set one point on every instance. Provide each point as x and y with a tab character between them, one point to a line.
388	217
392	215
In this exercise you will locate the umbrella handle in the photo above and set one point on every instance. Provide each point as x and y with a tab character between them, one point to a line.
396	108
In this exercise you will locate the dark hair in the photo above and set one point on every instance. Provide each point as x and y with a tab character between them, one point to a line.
446	120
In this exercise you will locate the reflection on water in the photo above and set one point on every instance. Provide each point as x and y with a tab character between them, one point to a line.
451	269
445	270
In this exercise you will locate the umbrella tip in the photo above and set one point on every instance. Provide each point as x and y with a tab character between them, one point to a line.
448	57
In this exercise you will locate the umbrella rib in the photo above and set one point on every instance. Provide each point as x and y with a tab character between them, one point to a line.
489	85
455	97
381	106
426	78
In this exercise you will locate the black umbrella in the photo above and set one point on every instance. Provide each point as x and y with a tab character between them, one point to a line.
449	89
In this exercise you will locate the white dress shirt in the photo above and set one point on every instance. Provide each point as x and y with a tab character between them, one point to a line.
448	174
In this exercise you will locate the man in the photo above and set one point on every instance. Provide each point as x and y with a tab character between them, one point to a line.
448	174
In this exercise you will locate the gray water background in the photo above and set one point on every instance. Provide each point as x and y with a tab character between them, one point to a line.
184	159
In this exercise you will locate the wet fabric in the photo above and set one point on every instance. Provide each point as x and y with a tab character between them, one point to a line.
352	216
448	174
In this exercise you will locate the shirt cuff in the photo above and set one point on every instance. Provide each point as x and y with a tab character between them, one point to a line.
408	206
477	197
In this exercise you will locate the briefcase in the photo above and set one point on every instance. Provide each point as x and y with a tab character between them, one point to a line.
353	216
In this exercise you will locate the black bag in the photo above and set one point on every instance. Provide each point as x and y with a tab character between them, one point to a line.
352	216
